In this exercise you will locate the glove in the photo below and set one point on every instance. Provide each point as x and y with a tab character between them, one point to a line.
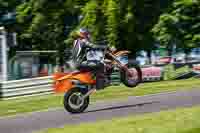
113	49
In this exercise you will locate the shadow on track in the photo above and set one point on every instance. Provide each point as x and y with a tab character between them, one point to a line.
121	107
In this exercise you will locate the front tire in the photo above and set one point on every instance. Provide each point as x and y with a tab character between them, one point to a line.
73	102
136	76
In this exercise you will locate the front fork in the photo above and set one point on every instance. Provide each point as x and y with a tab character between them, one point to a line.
91	91
123	67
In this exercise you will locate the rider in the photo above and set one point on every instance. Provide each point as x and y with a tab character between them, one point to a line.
79	54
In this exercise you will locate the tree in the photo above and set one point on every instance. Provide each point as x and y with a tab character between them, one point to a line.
124	24
180	25
8	5
7	11
44	23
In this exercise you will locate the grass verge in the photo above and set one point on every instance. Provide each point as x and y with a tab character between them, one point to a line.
176	121
30	104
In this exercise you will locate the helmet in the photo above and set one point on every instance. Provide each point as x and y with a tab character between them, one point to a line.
84	33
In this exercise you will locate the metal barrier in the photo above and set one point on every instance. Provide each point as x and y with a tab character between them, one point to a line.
24	87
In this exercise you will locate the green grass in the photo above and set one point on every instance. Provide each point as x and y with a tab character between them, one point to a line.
175	121
15	106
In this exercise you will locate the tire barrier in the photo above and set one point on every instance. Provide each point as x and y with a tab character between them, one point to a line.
26	87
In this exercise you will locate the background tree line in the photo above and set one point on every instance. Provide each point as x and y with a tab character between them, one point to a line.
127	24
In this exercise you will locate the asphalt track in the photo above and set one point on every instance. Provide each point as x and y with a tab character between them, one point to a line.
36	121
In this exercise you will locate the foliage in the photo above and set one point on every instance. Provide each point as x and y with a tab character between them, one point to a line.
171	73
40	27
7	12
90	19
113	18
44	24
8	5
124	24
180	25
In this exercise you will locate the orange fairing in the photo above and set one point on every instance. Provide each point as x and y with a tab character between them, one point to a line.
63	81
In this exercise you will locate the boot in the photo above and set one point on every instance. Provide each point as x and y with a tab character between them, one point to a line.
100	81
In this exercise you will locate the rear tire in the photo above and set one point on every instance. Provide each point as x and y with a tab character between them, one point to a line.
125	77
72	107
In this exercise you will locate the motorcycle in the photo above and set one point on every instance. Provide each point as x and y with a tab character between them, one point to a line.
79	85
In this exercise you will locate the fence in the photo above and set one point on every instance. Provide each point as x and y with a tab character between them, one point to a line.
34	86
3	56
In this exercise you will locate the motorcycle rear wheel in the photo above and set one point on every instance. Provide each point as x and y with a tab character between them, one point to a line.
73	102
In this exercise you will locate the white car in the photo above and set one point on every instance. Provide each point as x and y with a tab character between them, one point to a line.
194	55
142	58
179	57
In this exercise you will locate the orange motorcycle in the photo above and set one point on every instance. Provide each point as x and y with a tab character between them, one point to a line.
79	85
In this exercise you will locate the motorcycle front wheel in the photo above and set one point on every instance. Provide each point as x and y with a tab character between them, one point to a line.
73	101
132	76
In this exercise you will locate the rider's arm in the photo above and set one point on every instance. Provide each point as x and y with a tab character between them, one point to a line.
93	46
87	44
